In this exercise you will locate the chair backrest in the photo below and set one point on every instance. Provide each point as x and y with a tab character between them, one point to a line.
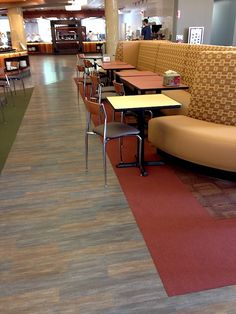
92	107
95	82
87	63
79	58
3	76
81	90
96	109
119	88
2	73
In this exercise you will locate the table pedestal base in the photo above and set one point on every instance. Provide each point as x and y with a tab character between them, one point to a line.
143	172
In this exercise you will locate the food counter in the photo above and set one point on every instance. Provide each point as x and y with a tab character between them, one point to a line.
20	56
94	46
39	48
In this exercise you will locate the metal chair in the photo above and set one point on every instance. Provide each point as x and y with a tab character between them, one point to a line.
16	75
107	131
5	84
98	90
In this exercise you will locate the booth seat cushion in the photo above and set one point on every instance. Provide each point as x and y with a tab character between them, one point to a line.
147	56
198	141
182	97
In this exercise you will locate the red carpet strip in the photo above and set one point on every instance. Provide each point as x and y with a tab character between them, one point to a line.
191	250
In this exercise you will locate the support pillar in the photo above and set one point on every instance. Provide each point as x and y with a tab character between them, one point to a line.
16	22
112	26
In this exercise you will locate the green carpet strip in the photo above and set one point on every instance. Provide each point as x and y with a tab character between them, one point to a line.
13	115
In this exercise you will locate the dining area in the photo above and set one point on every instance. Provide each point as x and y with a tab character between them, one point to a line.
139	96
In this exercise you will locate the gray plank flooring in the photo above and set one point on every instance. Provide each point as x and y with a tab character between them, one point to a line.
67	245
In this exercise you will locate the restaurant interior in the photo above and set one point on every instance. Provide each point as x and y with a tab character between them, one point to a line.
117	156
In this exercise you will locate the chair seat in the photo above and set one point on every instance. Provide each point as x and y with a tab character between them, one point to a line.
105	95
108	89
87	81
116	130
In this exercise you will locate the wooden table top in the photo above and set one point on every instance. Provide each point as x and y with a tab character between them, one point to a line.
148	101
114	65
145	83
135	73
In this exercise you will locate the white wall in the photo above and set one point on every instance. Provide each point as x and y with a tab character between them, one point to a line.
129	23
4	28
96	25
194	13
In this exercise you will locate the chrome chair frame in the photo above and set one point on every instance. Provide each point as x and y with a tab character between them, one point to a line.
108	131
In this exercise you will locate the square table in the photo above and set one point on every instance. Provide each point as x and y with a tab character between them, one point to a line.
142	84
135	73
139	104
116	65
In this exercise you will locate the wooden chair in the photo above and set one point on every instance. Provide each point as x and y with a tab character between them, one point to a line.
98	90
16	75
5	85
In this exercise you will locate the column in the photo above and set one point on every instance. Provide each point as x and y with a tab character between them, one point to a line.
112	26
16	22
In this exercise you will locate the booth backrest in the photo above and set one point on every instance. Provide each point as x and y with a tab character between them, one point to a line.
192	57
171	56
160	56
127	51
213	96
147	57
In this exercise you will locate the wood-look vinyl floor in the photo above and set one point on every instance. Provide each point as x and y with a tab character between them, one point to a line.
67	245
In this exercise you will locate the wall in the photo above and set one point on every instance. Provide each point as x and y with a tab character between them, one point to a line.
193	13
223	22
234	39
130	22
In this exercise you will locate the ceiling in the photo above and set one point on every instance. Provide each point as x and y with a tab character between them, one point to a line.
47	4
43	5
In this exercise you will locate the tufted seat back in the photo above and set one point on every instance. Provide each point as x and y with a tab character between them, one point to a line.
213	95
147	56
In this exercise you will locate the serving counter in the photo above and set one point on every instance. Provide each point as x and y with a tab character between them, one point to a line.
94	46
20	56
39	48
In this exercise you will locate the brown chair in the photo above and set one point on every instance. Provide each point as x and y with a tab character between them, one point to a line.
120	91
98	90
16	75
5	84
107	131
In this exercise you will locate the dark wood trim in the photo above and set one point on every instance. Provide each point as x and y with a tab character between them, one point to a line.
64	14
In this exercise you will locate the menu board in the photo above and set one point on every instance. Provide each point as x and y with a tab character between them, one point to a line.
195	35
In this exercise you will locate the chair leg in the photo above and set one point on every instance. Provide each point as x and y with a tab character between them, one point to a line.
14	86
86	151
139	151
23	84
120	148
105	162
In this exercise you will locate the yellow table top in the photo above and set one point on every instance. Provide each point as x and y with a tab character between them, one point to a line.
142	102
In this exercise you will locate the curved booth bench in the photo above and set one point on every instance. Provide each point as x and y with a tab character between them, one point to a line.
205	143
207	134
203	130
